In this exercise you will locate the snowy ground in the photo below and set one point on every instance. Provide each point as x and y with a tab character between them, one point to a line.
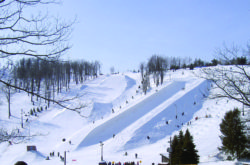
126	129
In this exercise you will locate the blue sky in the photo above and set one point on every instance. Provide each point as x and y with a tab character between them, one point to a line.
124	33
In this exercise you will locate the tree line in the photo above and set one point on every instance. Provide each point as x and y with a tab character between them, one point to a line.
34	74
38	35
157	66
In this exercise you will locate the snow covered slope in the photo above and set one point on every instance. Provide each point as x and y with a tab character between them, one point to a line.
123	120
158	115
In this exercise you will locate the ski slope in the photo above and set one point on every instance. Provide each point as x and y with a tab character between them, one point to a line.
123	120
144	115
181	105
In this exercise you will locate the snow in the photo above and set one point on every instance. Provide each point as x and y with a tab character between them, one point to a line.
126	130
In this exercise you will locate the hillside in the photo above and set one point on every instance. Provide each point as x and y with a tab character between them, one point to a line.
180	99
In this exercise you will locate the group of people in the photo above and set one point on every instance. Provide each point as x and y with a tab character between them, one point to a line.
125	163
52	154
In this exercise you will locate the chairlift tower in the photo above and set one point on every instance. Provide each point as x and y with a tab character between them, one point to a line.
101	144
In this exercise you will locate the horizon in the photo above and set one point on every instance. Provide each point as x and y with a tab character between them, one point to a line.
122	34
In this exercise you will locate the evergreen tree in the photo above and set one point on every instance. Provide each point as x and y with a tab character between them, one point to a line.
179	147
181	138
191	66
234	141
183	149
189	154
31	112
174	155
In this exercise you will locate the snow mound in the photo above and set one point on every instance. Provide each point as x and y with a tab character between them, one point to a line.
29	157
100	110
130	82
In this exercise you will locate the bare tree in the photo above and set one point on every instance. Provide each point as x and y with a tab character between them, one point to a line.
233	80
8	92
39	36
146	83
112	70
15	136
96	68
6	136
157	65
142	68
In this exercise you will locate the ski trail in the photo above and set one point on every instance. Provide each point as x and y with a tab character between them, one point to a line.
154	124
123	120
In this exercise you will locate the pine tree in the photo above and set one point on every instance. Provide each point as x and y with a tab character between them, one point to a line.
179	147
181	138
189	154
31	112
234	141
174	155
183	149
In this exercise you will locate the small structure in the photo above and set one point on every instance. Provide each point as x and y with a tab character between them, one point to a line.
103	163
164	159
31	148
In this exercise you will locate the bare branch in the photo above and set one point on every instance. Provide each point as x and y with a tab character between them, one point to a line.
28	36
61	103
233	80
40	36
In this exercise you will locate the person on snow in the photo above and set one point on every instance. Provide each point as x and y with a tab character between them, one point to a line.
136	155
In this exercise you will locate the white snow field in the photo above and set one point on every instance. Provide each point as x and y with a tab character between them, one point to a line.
143	125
